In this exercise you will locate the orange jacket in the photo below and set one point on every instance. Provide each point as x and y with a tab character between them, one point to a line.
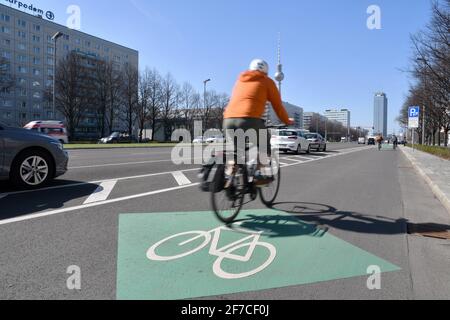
250	95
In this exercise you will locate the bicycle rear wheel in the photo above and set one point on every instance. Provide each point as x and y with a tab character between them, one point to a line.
227	203
269	193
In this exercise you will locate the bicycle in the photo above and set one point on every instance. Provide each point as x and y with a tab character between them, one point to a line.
227	202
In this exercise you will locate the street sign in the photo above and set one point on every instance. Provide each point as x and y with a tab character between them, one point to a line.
413	117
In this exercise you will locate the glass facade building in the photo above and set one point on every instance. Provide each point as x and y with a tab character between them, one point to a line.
381	114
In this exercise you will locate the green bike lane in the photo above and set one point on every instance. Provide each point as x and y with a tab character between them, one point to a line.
327	228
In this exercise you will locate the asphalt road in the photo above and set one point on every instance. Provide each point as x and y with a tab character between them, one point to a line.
361	200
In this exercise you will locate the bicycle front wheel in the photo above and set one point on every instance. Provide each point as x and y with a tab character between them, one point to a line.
226	202
269	193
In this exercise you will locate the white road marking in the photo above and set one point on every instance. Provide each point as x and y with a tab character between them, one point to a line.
181	179
93	182
91	205
283	163
142	195
102	192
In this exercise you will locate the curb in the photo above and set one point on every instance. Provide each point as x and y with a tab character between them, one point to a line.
434	187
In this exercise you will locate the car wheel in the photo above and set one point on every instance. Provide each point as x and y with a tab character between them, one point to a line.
32	169
309	150
299	149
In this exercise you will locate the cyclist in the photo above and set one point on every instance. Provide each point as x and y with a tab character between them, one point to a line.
247	107
380	140
395	141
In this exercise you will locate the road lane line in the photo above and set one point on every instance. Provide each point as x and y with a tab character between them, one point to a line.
91	205
94	182
96	204
102	192
181	179
123	164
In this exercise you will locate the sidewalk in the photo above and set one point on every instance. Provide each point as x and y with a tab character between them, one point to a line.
434	170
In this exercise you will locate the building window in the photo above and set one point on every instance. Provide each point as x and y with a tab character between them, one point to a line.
22	34
22	104
66	47
21	69
50	50
22	46
50	71
37	95
36	60
36	27
21	23
21	81
6	42
22	58
36	72
37	50
7	115
4	17
23	116
37	106
66	37
5	30
87	43
77	41
22	92
50	61
36	38
6	55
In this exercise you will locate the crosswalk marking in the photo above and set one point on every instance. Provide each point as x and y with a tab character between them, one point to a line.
102	192
181	179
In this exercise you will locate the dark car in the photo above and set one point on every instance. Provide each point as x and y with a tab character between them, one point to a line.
371	142
117	137
29	159
317	142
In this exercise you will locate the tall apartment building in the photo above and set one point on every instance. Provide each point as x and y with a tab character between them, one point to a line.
308	120
26	45
380	118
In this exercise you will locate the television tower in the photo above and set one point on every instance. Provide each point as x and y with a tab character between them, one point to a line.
279	75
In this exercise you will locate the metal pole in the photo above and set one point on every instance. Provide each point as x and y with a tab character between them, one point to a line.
423	126
54	81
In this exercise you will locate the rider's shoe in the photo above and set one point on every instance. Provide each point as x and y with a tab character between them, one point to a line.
262	180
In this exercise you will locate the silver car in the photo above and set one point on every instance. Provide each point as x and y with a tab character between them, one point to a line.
29	159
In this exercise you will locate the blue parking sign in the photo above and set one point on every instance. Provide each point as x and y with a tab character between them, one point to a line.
414	112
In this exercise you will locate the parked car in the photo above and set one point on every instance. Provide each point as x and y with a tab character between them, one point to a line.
371	142
30	159
55	129
290	140
117	137
317	142
362	140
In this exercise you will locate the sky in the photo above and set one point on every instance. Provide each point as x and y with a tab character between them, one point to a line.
330	57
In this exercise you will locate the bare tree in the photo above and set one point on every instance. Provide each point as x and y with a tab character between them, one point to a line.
144	94
170	99
155	100
130	80
71	91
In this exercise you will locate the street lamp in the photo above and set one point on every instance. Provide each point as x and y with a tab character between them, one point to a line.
55	37
204	93
424	107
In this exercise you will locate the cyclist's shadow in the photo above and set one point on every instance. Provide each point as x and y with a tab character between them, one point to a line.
275	226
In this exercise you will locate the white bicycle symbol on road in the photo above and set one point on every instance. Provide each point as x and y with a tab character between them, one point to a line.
226	252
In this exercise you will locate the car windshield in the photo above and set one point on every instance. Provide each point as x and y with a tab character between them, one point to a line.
311	136
287	133
114	135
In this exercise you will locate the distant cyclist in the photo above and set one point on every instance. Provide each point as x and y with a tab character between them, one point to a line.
248	104
395	141
380	140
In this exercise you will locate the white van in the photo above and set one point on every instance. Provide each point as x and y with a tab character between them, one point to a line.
54	129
